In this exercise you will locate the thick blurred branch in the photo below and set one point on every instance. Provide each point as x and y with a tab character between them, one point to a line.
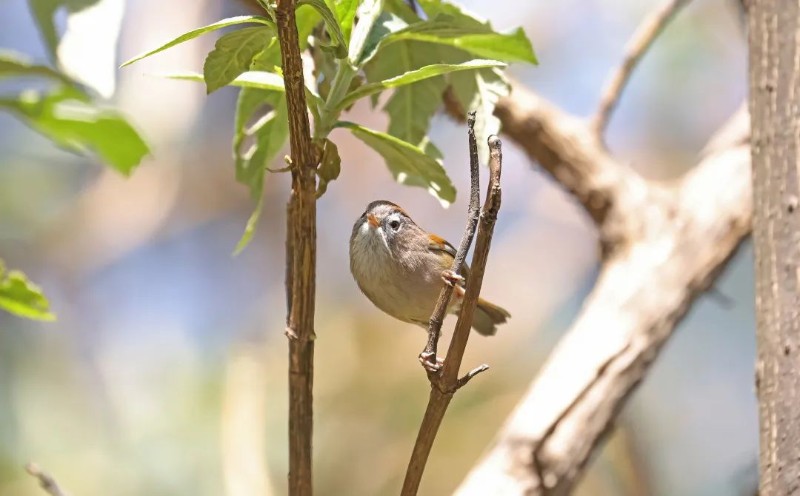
301	240
663	247
445	382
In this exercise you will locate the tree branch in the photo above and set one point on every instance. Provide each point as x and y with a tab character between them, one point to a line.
688	234
445	384
46	481
639	43
428	356
300	256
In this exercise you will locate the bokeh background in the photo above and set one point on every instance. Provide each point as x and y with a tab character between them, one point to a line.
165	373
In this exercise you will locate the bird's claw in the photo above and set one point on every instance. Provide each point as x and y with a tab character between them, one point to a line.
451	278
431	362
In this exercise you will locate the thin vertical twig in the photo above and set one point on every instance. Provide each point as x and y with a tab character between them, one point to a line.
300	257
641	40
446	382
428	355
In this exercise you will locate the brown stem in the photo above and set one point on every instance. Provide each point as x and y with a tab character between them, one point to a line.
300	257
428	355
445	384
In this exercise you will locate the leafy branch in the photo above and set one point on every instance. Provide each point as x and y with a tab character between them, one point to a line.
360	50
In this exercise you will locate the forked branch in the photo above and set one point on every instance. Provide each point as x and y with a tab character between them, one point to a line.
445	382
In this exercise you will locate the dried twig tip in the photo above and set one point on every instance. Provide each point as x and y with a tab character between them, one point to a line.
471	119
494	141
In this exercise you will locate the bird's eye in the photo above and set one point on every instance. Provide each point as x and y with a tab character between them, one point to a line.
395	225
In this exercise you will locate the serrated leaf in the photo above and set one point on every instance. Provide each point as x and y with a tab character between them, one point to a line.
409	77
269	134
480	91
408	164
330	166
332	23
411	107
14	64
233	54
21	297
203	30
72	122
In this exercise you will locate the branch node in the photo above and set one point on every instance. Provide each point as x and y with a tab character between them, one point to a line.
469	375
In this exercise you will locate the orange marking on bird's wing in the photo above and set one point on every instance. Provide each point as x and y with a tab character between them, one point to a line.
437	240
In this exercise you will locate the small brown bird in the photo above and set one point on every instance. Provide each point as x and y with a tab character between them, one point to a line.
401	268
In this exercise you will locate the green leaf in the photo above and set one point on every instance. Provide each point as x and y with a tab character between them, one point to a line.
43	12
512	47
21	297
14	64
268	135
383	26
480	91
414	76
307	19
233	54
203	30
345	14
261	80
408	164
71	121
332	23
367	14
411	107
330	166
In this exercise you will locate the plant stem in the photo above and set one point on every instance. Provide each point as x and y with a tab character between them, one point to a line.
301	238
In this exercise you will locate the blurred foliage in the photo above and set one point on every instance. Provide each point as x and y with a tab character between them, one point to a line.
21	297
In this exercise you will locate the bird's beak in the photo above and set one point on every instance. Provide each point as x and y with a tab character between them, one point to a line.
373	221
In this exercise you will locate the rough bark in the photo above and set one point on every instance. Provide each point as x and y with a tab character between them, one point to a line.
775	108
301	239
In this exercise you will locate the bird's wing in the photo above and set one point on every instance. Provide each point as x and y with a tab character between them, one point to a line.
439	244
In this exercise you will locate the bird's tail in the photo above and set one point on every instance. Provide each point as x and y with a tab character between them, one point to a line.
487	316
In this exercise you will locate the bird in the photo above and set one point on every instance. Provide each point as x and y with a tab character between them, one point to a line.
401	269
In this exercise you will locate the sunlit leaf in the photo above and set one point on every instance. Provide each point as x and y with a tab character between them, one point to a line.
367	13
482	41
408	164
203	30
71	121
345	13
426	72
232	55
21	297
332	23
480	91
14	64
267	136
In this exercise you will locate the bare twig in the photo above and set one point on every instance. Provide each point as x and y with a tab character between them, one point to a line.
444	385
428	355
300	257
46	481
636	48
